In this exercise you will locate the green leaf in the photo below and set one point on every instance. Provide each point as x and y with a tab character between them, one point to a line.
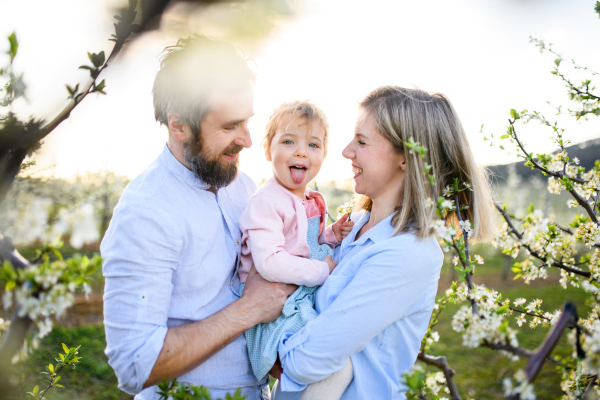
58	385
51	368
514	114
10	285
506	136
14	45
597	8
65	348
36	389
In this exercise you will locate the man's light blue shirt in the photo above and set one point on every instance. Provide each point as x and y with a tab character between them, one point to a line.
374	308
169	259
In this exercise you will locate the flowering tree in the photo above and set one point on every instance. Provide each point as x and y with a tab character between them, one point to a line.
484	319
44	286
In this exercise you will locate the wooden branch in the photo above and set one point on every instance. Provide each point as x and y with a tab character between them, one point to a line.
535	163
467	263
442	363
534	253
518	351
567	319
583	203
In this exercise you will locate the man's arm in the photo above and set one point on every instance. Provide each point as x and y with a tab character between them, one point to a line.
187	346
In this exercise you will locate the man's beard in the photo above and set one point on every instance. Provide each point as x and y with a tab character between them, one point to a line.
213	172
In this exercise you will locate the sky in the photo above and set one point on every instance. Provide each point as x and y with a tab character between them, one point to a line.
332	52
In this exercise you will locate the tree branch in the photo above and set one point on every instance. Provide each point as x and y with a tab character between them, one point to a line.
534	253
535	163
442	363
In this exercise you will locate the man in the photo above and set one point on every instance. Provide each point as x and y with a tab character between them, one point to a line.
171	304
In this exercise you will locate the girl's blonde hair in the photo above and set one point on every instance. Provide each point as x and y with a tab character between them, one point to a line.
297	110
402	113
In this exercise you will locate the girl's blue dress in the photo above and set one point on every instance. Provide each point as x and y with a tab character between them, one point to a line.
263	339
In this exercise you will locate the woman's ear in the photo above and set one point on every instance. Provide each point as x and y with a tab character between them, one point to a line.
176	128
402	162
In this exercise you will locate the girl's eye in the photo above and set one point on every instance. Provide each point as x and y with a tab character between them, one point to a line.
288	142
313	145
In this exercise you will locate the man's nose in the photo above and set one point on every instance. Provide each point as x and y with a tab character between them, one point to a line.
244	138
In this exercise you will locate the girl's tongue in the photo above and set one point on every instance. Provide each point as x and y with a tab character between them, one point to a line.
297	174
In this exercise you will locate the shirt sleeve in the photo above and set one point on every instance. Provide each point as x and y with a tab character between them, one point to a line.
266	240
382	291
140	252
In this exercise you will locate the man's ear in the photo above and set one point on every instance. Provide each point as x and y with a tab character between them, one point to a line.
403	162
176	128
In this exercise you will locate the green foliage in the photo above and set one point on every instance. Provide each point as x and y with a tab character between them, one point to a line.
14	45
597	8
173	390
68	358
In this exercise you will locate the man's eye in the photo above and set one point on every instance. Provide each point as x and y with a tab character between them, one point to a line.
230	128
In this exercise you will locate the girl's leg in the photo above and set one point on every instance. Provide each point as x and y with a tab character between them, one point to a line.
332	387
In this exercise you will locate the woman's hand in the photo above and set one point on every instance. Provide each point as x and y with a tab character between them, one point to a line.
342	227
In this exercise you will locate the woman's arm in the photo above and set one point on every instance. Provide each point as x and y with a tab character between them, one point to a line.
263	223
386	287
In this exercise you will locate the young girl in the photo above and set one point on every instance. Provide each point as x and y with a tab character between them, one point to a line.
284	234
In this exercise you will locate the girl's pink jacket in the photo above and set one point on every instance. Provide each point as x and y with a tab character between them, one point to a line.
274	228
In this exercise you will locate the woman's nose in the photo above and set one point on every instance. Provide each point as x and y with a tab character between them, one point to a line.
348	152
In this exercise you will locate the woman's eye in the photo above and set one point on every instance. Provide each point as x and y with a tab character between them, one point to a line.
360	142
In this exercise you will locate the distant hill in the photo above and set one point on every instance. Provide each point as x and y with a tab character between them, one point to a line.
587	152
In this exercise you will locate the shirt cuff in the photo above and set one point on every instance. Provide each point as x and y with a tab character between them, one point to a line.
145	357
288	385
289	342
330	237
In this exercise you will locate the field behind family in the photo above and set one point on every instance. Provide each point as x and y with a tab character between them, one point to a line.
479	372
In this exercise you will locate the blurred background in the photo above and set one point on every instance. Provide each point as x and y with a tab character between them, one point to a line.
333	52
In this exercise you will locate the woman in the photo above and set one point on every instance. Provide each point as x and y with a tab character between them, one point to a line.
376	305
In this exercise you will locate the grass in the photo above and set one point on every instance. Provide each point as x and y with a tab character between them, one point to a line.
479	372
92	378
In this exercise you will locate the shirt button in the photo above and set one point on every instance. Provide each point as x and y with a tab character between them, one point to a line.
237	242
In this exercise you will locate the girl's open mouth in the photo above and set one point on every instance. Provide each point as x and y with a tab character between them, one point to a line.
298	173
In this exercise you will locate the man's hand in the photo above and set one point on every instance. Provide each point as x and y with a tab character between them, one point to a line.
332	264
264	299
342	227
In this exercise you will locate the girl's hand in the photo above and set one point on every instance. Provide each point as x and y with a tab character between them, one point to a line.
342	227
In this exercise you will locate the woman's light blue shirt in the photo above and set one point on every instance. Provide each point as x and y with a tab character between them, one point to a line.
374	308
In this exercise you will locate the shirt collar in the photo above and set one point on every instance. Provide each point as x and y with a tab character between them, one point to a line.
383	230
181	171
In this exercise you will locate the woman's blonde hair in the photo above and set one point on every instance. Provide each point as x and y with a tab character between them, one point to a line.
402	113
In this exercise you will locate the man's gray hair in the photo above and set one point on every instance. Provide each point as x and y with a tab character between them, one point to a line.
191	71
